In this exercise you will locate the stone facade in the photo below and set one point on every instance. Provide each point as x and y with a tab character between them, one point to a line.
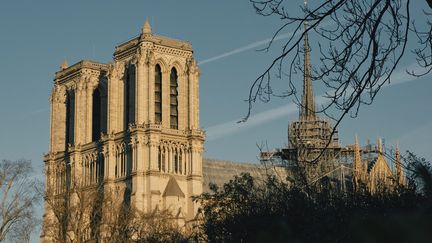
131	126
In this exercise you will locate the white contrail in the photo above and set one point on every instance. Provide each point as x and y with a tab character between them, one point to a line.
232	127
246	48
255	45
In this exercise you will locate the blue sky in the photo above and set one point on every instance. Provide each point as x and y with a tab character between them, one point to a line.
37	35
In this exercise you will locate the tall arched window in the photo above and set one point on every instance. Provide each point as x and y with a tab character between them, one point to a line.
96	117
173	99
99	112
176	162
129	96
70	117
158	94
163	159
160	159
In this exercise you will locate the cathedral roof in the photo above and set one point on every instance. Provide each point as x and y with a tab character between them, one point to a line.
220	172
173	189
67	71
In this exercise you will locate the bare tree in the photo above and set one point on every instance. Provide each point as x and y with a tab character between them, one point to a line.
97	213
73	212
17	201
361	43
128	224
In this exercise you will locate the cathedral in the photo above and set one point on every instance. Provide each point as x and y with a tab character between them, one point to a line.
130	127
130	131
313	145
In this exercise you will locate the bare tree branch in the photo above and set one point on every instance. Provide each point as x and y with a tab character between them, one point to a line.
19	196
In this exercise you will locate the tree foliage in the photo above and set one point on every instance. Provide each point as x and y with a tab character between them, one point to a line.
246	211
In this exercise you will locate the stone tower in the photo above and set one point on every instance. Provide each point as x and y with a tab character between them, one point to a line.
130	127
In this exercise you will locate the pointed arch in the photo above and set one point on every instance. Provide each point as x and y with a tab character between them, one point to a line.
178	66
162	64
129	95
70	117
158	94
96	115
174	98
99	111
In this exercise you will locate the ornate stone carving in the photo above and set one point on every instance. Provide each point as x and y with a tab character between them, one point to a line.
58	95
116	71
92	82
192	66
141	56
80	84
150	58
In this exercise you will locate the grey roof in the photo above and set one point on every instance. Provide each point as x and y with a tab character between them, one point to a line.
173	189
220	172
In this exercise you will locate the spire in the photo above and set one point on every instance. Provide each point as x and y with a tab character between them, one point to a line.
308	100
380	148
64	64
399	171
146	29
357	164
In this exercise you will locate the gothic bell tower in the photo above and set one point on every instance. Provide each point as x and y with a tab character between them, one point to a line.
130	128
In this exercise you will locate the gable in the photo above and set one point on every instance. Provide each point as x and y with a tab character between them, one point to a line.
173	189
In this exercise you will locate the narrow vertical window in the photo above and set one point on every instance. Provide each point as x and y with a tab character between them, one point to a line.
173	99
163	159
129	97
116	166
70	117
176	162
158	94
101	168
96	116
159	159
180	162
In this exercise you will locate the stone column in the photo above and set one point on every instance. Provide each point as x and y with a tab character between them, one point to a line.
166	160
92	83
190	101
194	155
134	147
120	101
112	101
77	168
58	119
139	157
181	100
110	162
141	84
53	112
189	161
150	64
80	112
196	95
183	161
193	94
115	74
